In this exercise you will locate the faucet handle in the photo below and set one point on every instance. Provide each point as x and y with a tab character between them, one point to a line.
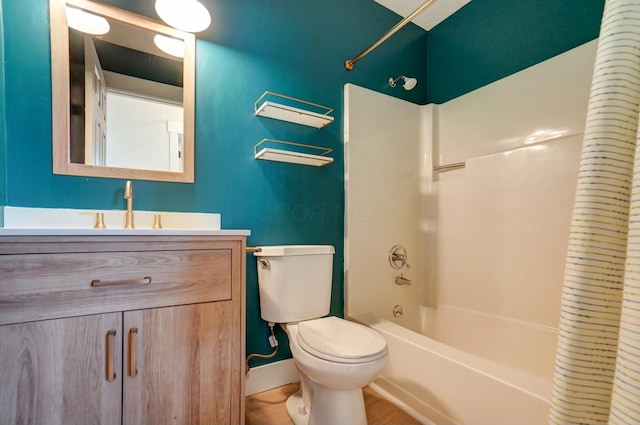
157	221
99	221
398	257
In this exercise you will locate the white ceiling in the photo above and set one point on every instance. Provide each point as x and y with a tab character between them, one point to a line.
436	13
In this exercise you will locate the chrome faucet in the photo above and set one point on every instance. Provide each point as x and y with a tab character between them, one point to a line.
128	195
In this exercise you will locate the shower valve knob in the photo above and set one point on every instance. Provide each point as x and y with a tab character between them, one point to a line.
398	257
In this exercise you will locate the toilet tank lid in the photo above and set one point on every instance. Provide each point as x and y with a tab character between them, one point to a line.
287	250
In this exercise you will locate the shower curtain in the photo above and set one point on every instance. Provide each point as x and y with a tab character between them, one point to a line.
597	369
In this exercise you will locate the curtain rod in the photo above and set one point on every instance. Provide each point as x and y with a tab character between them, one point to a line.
348	64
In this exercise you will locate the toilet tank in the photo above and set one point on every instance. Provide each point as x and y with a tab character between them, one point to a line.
294	282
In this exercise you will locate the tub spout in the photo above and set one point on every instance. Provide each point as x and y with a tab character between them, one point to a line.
401	280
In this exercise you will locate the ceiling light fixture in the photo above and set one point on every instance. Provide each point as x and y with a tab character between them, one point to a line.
409	83
185	15
86	22
169	45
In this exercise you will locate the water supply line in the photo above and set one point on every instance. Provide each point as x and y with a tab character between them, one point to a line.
274	344
348	64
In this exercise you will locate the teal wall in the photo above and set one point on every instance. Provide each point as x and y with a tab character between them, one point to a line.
490	39
3	140
288	46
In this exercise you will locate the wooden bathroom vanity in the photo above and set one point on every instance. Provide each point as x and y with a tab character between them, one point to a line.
122	329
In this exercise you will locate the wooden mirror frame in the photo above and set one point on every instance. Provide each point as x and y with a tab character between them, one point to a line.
60	97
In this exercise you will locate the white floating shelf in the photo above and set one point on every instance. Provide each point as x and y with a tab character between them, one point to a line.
293	157
292	114
282	155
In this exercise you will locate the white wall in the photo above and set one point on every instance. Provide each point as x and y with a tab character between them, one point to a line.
137	134
490	238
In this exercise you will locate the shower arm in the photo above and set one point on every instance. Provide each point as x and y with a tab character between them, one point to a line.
348	64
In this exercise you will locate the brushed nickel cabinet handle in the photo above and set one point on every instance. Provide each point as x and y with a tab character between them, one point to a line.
133	336
97	283
111	374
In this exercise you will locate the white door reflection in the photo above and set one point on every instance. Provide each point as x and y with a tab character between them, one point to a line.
144	133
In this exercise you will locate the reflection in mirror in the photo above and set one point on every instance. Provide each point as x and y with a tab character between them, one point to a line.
140	91
127	98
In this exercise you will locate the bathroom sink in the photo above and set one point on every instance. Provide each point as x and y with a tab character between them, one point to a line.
81	219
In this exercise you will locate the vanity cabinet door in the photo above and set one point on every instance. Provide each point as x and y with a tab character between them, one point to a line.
182	365
54	372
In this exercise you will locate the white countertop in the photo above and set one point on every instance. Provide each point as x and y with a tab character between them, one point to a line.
120	232
26	221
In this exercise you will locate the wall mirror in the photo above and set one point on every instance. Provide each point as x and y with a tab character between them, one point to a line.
122	101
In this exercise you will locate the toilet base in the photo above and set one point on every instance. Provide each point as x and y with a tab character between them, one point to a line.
328	408
296	410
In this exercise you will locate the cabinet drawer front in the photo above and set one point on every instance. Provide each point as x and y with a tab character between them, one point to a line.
44	286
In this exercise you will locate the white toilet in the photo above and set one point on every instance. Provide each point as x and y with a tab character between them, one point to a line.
335	357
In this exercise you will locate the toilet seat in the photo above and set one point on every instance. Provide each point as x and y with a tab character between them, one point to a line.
341	341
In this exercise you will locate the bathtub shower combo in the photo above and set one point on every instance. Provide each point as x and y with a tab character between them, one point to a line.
471	204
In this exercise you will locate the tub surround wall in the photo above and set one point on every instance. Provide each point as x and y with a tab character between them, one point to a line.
507	214
492	237
381	182
503	228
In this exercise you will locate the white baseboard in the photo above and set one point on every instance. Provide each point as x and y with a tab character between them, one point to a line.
271	375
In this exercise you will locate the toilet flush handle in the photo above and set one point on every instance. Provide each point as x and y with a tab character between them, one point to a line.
264	263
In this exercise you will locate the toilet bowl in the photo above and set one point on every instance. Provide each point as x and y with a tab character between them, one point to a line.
336	359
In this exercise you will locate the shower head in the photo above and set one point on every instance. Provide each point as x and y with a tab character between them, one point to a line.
409	83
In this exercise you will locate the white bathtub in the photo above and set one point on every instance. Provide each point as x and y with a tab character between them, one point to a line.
439	384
